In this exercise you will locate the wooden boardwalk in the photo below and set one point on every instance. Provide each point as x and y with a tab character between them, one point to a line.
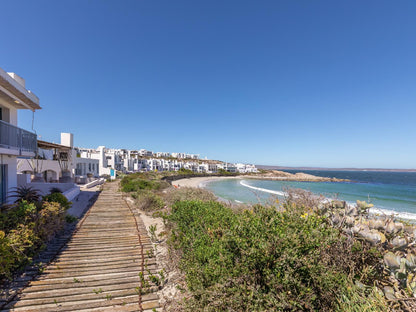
99	268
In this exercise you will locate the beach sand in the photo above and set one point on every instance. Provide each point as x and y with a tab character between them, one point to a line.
198	181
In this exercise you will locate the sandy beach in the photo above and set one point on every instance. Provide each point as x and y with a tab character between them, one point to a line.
198	181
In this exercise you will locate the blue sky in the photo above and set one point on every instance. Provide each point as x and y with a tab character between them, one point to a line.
291	83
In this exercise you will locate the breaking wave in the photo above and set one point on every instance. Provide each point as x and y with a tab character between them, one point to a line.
243	183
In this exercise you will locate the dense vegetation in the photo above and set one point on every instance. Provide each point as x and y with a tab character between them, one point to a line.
276	257
26	226
263	259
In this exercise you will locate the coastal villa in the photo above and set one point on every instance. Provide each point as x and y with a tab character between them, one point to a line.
14	141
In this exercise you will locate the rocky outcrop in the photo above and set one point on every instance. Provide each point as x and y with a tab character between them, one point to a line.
286	176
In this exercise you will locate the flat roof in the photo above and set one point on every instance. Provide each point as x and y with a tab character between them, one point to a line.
46	145
21	98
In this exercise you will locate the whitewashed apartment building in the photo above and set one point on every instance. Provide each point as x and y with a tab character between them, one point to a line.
14	141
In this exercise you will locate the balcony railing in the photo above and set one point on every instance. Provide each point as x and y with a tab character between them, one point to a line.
15	138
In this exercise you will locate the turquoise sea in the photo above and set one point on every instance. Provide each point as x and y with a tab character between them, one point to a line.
390	192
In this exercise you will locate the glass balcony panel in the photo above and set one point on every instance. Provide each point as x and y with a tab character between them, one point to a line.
12	137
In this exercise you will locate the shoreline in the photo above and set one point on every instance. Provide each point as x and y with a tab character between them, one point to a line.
196	182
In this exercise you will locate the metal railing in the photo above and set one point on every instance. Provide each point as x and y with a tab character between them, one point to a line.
12	137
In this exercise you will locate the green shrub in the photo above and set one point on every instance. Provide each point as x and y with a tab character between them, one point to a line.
188	193
24	229
148	201
58	198
70	218
20	213
26	193
132	185
268	260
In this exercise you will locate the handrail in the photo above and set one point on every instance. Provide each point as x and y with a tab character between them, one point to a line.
13	137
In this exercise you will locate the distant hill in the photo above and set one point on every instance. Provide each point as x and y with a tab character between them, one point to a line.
332	169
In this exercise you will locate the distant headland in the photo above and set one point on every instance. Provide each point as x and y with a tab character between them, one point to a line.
332	169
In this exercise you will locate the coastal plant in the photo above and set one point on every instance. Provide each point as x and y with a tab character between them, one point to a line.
188	193
24	230
135	182
55	190
26	193
148	201
153	234
70	218
264	259
58	198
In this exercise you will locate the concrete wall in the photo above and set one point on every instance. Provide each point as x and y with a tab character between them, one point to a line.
44	188
43	165
11	179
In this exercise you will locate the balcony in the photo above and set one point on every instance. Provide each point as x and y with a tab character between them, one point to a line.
16	140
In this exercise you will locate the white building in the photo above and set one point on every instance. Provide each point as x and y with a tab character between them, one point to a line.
14	141
59	163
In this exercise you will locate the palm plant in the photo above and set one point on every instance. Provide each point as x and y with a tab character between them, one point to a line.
27	193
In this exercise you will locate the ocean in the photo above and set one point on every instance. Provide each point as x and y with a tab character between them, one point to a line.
390	192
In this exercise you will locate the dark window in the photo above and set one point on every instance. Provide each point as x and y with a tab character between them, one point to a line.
3	183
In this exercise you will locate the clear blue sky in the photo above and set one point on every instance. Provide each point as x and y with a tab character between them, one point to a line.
292	83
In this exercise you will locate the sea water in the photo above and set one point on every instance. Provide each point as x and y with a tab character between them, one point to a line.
390	192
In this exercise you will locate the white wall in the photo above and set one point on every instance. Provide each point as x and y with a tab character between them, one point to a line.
10	161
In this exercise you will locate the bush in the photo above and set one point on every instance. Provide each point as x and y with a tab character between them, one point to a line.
58	198
26	193
269	260
148	201
132	185
23	231
188	193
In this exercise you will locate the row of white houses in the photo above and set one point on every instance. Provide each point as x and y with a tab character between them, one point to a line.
25	160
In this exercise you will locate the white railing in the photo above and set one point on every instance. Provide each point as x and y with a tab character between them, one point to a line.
12	137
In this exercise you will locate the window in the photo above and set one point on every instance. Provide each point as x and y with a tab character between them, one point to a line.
89	167
3	183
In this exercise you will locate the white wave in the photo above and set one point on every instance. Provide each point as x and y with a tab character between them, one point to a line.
243	183
374	210
237	201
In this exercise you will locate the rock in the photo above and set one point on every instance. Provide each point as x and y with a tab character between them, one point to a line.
399	242
389	292
392	261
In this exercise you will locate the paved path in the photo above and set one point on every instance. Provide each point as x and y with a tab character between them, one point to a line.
99	268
